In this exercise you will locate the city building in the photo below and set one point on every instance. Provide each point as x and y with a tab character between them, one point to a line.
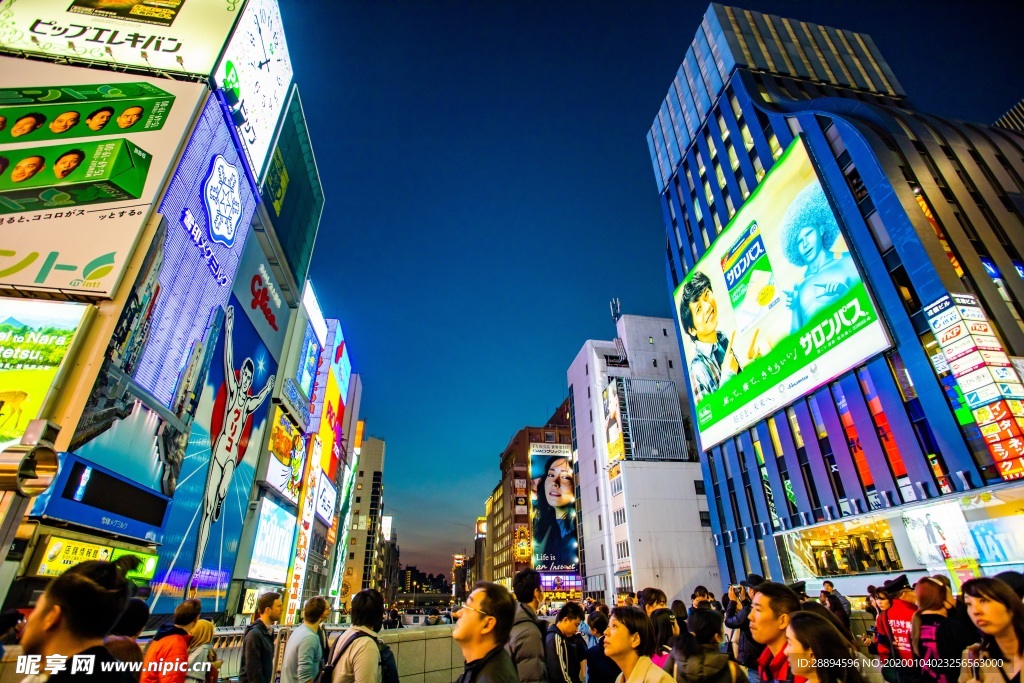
478	561
392	560
861	261
366	556
642	510
460	577
509	524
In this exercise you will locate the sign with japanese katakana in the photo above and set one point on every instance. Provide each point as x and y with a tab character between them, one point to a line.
175	37
84	154
776	307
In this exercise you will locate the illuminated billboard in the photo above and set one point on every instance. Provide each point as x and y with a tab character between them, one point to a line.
326	499
274	534
553	486
776	307
292	193
304	532
255	74
35	337
157	358
83	156
562	587
201	537
256	285
174	36
309	360
386	524
613	435
286	465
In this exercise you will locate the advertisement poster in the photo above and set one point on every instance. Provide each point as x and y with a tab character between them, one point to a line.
613	420
939	533
83	157
776	307
138	418
994	519
288	457
177	36
326	499
274	534
304	532
309	359
256	286
554	508
256	74
201	538
291	189
562	587
35	337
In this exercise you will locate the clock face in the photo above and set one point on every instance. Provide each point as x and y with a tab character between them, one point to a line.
256	74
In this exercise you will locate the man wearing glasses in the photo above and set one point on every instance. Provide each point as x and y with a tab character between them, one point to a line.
483	627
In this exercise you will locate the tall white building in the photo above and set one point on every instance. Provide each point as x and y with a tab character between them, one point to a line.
644	518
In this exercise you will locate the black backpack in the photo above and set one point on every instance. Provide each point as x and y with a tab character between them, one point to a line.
388	664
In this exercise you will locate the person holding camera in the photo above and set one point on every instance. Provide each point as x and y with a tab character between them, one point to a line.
737	617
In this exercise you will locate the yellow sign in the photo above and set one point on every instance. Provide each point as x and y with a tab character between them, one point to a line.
61	554
252	595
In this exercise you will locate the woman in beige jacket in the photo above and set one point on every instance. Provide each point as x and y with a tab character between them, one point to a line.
629	642
999	614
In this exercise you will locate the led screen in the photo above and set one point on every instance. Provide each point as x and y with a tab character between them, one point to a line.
35	336
326	499
83	157
562	587
179	37
309	358
256	73
274	534
553	484
776	307
158	356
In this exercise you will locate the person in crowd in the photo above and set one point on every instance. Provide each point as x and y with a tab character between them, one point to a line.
696	656
304	653
12	624
679	609
869	603
800	588
770	610
629	642
818	608
483	628
170	644
433	617
998	613
715	604
1014	580
814	648
604	609
880	637
73	614
935	638
737	616
600	667
125	649
699	599
896	620
830	588
526	642
665	629
563	660
832	603
651	599
258	641
628	600
394	620
122	641
356	655
201	652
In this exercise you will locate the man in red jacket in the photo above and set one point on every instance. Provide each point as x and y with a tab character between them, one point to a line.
896	621
166	659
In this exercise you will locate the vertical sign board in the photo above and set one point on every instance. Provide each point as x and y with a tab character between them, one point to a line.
613	419
553	483
255	73
304	532
35	337
136	421
84	155
287	460
986	376
292	193
176	37
275	532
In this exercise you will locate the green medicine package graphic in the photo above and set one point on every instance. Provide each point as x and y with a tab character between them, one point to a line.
749	278
44	113
72	175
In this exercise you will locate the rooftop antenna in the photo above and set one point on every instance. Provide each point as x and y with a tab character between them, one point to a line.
616	308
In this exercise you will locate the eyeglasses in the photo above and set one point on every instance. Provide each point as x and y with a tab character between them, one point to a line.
479	611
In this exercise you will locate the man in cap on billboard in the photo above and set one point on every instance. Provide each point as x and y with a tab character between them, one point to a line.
239	406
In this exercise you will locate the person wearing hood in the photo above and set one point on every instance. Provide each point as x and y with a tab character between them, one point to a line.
258	641
201	652
696	655
526	642
563	659
170	644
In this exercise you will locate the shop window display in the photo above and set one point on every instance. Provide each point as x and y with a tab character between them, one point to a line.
858	547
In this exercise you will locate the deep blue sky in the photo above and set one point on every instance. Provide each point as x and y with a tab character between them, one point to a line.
489	191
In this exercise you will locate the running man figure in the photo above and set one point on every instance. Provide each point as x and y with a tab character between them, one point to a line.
239	406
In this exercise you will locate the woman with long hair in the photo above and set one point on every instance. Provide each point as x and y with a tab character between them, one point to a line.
819	609
835	606
696	655
665	629
935	637
812	638
555	526
200	650
999	614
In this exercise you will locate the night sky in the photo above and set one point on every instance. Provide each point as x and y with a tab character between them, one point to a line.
489	191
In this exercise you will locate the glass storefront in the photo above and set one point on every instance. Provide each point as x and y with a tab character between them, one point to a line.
858	546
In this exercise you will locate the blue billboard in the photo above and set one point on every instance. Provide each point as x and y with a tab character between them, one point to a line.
138	418
204	525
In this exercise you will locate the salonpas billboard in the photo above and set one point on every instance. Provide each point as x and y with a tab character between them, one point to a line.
776	307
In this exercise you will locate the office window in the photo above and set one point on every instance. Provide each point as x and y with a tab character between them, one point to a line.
705	518
599	526
698	486
595	467
655	361
670	363
664	332
351	556
591	414
593	442
359	499
549	437
602	551
597	492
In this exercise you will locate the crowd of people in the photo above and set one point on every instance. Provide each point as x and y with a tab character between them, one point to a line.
761	632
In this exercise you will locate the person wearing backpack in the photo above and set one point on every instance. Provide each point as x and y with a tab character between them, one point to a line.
303	654
357	654
696	656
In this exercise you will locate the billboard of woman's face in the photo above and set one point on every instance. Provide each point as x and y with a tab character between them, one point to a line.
555	545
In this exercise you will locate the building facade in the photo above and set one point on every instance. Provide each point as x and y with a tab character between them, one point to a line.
824	456
642	510
366	559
